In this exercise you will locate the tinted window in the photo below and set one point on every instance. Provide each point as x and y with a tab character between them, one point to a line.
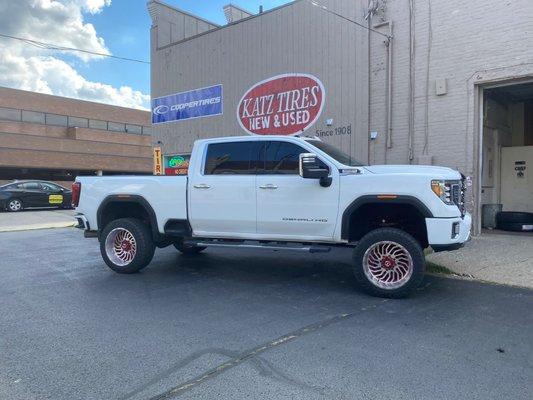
282	157
31	186
10	187
50	187
231	158
337	154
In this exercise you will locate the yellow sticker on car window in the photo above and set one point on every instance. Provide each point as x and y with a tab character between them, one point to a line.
55	199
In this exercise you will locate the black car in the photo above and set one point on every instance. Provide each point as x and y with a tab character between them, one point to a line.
24	194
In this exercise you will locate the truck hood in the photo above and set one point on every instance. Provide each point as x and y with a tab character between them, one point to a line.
429	170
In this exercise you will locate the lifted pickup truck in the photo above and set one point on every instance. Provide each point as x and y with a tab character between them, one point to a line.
281	193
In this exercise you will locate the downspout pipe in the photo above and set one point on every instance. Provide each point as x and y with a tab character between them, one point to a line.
388	44
388	110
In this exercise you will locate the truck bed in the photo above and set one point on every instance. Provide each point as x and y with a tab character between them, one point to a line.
167	195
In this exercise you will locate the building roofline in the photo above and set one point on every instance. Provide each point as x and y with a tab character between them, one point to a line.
238	8
26	100
73	99
185	12
220	27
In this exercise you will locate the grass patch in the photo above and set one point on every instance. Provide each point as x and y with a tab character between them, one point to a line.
437	269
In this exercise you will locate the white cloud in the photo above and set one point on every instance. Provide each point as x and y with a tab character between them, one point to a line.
94	6
53	76
60	22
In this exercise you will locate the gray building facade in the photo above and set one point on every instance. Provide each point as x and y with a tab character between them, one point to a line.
404	81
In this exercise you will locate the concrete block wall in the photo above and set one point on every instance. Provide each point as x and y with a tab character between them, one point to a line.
469	44
297	38
467	39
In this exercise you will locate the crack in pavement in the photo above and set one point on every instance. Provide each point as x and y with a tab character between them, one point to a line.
239	358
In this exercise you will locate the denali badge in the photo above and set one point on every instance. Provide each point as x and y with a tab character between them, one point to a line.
282	105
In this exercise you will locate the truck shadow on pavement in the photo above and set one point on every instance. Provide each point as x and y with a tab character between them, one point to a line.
306	273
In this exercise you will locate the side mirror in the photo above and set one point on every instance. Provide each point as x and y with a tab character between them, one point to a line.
310	168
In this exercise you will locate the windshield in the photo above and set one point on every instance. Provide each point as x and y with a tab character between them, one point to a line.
335	153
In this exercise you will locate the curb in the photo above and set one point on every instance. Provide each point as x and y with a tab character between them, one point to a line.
37	226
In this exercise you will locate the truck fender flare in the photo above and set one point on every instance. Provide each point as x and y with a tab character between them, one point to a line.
130	198
377	199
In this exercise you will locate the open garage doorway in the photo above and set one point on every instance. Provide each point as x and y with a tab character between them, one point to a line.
507	158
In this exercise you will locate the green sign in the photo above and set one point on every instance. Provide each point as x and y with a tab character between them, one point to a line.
175	161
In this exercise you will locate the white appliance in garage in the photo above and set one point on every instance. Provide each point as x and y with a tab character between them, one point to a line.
517	178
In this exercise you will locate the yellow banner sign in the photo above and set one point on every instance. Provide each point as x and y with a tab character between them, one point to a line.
158	165
55	199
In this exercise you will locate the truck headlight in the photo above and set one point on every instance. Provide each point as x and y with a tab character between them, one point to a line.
443	190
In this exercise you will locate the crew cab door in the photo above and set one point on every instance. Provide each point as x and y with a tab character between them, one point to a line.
289	206
222	199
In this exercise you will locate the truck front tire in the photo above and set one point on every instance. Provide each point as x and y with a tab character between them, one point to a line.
126	245
389	263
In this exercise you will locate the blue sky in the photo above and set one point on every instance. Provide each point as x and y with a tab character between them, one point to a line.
118	27
125	27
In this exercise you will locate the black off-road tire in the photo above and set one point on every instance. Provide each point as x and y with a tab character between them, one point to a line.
516	226
189	250
145	247
518	217
405	240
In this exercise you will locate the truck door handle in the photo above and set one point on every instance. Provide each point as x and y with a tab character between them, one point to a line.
269	186
202	186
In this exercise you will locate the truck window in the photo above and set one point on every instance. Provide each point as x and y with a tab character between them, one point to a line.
282	158
335	153
231	158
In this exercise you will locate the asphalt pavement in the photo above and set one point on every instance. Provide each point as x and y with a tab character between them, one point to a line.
247	324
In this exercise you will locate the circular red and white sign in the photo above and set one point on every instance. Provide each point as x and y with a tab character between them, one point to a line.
282	105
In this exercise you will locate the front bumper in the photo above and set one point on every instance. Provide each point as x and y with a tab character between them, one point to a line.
448	232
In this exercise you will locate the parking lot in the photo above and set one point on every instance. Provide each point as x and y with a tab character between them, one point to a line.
245	324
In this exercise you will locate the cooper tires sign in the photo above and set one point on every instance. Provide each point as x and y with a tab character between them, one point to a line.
282	105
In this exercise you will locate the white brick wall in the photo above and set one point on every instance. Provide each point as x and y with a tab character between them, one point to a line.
472	42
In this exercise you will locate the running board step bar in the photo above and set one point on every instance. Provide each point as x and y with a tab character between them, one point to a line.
259	245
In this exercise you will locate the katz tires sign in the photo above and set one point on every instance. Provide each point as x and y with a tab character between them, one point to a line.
282	105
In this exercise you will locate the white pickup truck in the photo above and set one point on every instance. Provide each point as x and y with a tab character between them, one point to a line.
275	192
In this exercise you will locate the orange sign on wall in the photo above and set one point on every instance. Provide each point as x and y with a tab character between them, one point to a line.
158	165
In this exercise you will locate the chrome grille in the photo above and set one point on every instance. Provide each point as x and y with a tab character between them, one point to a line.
455	194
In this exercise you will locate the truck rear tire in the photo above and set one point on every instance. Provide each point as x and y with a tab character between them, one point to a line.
389	263
188	250
126	245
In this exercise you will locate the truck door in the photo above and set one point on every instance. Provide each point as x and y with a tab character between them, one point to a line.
222	193
289	206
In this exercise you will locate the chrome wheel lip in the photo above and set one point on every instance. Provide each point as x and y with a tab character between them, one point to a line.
395	275
17	203
120	247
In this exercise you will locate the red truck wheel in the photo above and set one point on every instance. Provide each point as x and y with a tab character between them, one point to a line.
389	262
126	245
